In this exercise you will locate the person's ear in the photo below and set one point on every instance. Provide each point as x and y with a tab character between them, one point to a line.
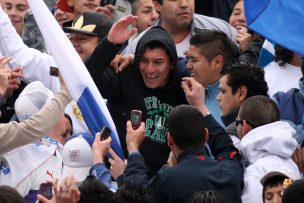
217	63
242	93
71	3
170	140
246	127
157	5
206	136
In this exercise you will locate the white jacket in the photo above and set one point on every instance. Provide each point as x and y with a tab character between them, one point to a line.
35	65
267	147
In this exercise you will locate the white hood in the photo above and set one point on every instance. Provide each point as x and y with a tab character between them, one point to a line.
272	139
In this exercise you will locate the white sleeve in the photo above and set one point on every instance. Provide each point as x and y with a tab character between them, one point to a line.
36	65
252	192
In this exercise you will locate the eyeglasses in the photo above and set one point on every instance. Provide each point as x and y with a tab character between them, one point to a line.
237	122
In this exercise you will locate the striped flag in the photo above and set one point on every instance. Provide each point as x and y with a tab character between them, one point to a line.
77	78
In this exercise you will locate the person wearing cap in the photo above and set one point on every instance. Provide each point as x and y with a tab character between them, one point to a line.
273	184
83	156
29	59
86	31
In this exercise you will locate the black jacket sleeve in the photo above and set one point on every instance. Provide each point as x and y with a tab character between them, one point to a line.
252	54
136	170
219	141
98	65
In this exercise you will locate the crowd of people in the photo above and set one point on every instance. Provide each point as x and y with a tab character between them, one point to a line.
215	126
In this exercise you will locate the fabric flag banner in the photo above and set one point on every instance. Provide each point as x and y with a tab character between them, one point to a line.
77	78
279	21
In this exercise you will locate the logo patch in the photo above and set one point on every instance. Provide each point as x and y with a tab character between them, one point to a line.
74	155
77	112
4	167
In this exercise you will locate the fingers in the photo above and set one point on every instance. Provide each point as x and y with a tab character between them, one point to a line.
97	136
4	61
42	199
114	155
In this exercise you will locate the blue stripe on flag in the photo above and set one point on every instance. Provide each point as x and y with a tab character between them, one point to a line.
265	58
95	119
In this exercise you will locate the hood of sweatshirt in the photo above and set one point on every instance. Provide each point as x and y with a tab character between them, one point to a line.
156	34
277	138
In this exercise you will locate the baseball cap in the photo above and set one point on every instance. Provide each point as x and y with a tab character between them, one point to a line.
279	172
77	156
31	100
90	23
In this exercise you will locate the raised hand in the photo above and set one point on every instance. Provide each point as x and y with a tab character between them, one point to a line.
122	30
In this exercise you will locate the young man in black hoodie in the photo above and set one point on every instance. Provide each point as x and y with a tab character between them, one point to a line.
149	85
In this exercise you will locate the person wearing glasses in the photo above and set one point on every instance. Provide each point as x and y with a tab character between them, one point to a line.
266	142
239	82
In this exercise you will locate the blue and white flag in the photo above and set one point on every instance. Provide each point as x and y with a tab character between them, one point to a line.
77	78
279	21
266	54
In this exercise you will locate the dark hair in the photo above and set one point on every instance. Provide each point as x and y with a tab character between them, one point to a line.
259	110
186	126
134	6
10	195
160	1
248	75
282	55
132	193
155	44
272	182
206	197
67	116
92	190
213	43
294	193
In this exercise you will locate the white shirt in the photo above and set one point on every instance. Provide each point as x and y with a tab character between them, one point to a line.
281	78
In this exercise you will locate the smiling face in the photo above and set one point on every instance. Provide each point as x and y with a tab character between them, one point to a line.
16	10
237	18
176	14
154	66
84	44
81	6
201	69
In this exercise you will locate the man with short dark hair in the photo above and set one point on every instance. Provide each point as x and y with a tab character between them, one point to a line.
195	170
239	82
178	18
209	52
266	142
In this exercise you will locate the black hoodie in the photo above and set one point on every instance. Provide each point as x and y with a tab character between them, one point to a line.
126	91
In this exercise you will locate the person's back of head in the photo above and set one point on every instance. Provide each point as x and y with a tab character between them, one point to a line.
92	190
10	195
206	197
294	193
259	110
248	75
213	43
186	126
132	193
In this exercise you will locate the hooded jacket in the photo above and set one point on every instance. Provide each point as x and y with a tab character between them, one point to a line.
126	91
267	147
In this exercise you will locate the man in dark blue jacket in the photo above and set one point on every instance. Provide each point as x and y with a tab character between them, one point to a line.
194	170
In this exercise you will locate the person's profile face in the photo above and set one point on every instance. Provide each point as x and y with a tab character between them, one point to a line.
154	66
227	101
146	15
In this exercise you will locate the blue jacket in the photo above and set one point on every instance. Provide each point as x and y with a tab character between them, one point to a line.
291	103
195	171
